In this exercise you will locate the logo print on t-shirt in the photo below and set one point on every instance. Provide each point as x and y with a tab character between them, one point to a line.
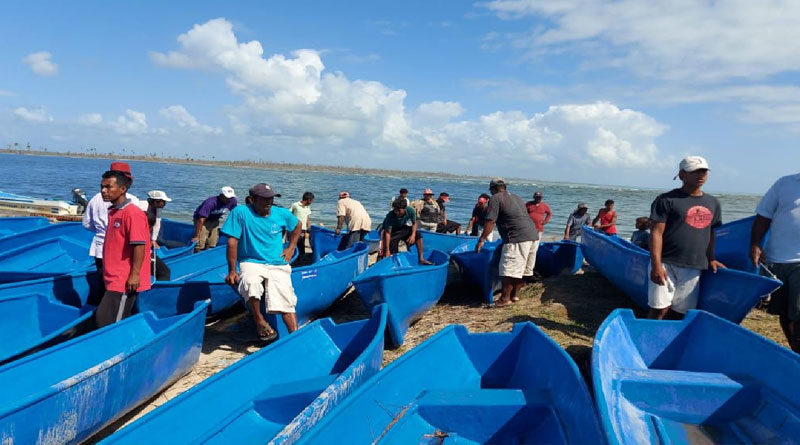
699	217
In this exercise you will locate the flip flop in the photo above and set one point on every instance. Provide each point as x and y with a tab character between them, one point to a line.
265	334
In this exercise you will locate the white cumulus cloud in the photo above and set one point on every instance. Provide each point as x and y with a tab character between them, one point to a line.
36	115
182	117
41	64
130	123
90	119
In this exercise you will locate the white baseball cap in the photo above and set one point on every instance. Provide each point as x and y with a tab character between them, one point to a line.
228	192
158	194
692	163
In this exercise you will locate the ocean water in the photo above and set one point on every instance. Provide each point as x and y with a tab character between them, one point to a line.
188	185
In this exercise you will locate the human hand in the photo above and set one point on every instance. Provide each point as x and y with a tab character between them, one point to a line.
714	265
337	231
194	239
658	275
232	278
756	255
411	240
132	284
287	254
479	245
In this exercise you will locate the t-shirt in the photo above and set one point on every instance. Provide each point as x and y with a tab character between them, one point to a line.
442	207
689	221
606	216
393	222
95	218
301	212
781	204
641	238
212	210
354	214
576	224
508	212
260	237
127	227
537	213
479	213
153	215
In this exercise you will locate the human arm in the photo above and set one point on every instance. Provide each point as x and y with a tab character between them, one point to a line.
230	256
339	224
487	230
567	228
605	226
594	221
470	223
294	235
757	232
137	257
198	225
386	237
547	215
657	273
713	264
413	237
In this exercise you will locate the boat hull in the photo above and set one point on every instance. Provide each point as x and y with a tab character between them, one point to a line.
15	225
480	268
554	258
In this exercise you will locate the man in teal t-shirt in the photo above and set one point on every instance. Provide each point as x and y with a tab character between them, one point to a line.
400	224
255	240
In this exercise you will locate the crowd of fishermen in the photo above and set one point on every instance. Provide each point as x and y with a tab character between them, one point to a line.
262	237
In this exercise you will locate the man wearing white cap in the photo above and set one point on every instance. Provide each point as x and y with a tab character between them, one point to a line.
156	200
208	215
682	242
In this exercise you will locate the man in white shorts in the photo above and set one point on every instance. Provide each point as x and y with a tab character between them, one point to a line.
516	228
255	240
682	242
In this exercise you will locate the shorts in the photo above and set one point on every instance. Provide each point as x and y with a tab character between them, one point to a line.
516	259
430	227
208	236
681	291
447	228
109	310
272	282
532	260
786	300
398	235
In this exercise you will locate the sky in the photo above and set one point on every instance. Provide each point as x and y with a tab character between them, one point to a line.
590	91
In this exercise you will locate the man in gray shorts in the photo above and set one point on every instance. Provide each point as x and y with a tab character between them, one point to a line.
779	212
518	233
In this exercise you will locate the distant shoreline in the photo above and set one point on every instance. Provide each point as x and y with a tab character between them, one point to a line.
239	164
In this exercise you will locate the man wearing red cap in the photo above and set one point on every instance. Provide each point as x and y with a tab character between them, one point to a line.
126	247
427	210
95	219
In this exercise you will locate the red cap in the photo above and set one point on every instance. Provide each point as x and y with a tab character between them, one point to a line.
482	200
122	167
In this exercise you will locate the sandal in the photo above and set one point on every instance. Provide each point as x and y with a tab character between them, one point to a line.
265	334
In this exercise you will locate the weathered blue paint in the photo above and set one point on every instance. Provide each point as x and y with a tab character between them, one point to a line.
317	286
33	321
553	258
698	380
459	387
408	288
729	293
480	268
66	393
14	225
276	393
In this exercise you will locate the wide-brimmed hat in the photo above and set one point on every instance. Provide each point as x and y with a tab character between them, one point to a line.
158	194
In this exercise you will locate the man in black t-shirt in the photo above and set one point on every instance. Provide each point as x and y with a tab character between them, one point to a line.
682	242
446	225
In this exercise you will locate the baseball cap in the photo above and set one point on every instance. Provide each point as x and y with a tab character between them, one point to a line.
582	205
403	190
537	194
482	199
497	181
692	163
122	167
158	194
427	192
263	190
227	192
344	194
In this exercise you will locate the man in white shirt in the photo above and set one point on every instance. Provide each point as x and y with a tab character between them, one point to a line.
350	211
156	200
779	212
95	219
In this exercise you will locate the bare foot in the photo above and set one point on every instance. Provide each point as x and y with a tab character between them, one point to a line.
501	303
425	262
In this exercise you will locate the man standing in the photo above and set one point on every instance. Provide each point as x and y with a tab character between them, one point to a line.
445	225
156	201
539	212
779	212
95	219
427	210
255	240
403	195
126	248
400	224
350	211
682	242
579	218
208	215
508	212
302	211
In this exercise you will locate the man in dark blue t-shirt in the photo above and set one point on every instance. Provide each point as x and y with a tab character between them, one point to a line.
682	242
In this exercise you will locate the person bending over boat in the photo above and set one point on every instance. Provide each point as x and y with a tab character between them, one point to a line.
400	224
682	242
350	211
517	259
607	218
427	210
446	225
126	248
95	219
255	241
576	221
779	212
208	215
156	201
302	211
478	219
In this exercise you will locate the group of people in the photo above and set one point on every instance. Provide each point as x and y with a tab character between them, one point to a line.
680	240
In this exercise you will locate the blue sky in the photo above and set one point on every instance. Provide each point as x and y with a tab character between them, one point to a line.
598	91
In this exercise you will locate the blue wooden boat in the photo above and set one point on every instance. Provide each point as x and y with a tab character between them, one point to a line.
177	234
66	393
408	288
555	257
325	240
729	293
45	258
76	289
15	225
457	387
732	244
317	285
480	268
275	394
74	231
698	380
445	242
34	321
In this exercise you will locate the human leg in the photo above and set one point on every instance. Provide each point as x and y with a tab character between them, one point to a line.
98	264
788	296
659	297
290	320
421	250
202	238
213	233
162	270
280	296
112	308
513	259
251	288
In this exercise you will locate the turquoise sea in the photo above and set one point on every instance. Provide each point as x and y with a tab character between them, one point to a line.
188	185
